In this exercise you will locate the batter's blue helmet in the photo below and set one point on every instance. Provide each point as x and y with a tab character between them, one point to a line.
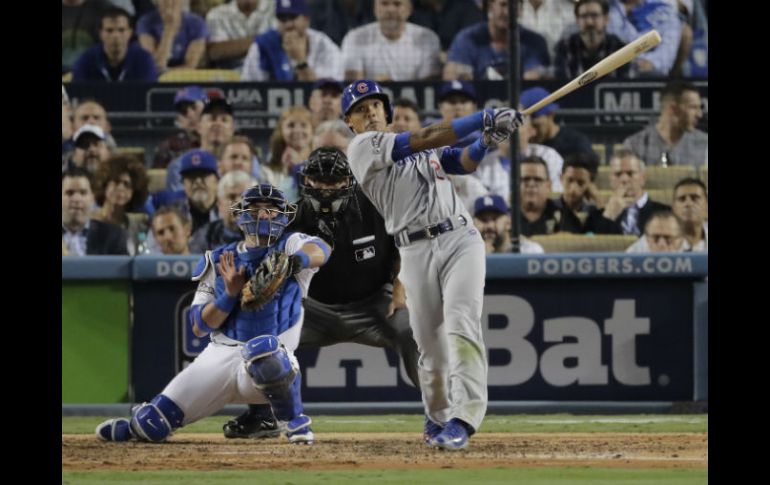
362	89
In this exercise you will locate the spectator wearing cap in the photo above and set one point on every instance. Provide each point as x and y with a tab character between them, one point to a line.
546	131
174	38
406	116
224	230
200	177
90	111
391	49
293	51
455	100
80	234
492	217
90	148
188	103
578	52
325	101
233	26
216	127
481	50
116	58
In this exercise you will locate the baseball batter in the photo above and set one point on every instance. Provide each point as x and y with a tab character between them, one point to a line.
442	254
250	358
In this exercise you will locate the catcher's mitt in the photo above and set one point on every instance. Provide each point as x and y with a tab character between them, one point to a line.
268	278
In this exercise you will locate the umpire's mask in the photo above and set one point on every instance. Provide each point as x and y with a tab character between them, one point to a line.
326	181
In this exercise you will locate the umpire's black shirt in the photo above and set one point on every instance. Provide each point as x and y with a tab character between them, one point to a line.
364	254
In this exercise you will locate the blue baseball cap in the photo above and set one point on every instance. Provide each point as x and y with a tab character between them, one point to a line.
198	160
327	82
190	94
533	95
460	87
296	7
490	202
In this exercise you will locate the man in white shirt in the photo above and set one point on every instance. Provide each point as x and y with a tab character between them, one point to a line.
391	49
233	26
293	51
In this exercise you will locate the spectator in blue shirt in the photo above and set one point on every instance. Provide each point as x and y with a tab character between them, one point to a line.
174	38
481	50
115	58
630	19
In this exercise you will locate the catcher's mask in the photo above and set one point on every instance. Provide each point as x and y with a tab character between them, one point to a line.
269	222
328	166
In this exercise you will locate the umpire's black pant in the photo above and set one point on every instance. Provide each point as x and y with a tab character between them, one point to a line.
363	322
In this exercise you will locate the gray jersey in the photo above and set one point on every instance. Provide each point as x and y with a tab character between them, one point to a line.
410	193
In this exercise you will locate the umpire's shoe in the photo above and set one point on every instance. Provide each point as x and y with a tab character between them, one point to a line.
251	426
454	436
431	430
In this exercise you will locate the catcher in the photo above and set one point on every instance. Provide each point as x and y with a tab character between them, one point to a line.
249	298
356	297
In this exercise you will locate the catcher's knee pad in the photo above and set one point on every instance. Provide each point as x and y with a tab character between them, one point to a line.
156	420
275	374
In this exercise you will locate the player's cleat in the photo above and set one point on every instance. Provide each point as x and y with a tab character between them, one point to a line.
431	430
251	426
117	429
454	436
298	431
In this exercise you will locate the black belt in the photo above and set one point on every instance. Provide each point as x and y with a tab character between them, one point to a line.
430	232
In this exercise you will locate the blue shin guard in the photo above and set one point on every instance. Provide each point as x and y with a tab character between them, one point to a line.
270	367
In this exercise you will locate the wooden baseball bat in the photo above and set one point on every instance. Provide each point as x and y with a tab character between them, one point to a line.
601	68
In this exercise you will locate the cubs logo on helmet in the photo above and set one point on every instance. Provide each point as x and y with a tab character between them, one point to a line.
362	89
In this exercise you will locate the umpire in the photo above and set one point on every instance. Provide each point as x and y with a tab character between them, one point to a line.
356	297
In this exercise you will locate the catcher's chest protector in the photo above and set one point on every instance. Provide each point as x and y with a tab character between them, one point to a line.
277	316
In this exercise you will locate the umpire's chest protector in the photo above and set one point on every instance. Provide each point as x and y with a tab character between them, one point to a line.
277	316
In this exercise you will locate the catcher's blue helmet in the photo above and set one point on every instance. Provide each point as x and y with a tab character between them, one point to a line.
362	89
279	216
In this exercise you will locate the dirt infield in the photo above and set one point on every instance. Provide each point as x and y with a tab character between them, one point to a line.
349	451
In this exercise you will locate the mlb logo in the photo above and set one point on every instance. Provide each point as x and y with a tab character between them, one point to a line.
362	88
365	253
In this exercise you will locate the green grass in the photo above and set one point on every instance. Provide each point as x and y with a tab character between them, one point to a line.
491	476
552	423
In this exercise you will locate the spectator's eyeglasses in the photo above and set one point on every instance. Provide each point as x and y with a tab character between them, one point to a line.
592	16
286	17
534	180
